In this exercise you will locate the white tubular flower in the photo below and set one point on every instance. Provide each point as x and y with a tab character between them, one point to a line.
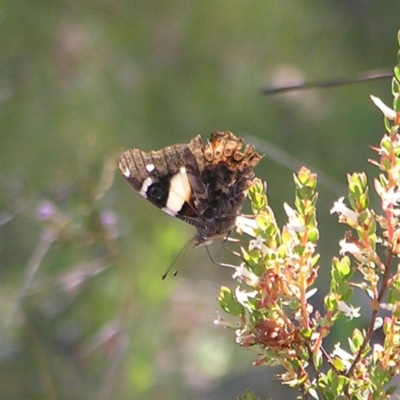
247	225
243	274
294	222
349	311
386	111
343	355
340	208
389	307
351	248
256	243
391	197
243	297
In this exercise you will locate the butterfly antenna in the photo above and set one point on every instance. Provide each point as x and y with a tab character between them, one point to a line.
218	263
180	256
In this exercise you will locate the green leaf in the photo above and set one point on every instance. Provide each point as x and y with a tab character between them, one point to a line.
330	302
342	382
357	339
258	197
396	104
387	125
306	333
294	304
352	202
281	251
394	295
391	390
318	360
263	221
313	235
343	267
228	302
346	295
304	192
343	290
386	144
315	260
338	364
363	201
395	81
249	395
300	249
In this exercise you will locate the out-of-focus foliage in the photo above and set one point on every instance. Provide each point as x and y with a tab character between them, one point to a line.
85	314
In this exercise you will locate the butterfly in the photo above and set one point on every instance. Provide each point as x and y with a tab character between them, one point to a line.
204	185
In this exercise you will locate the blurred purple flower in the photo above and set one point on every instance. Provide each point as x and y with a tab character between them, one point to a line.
108	218
46	210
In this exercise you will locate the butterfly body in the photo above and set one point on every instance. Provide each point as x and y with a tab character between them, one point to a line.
204	185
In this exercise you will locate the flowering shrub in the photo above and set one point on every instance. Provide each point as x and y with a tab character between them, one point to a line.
271	307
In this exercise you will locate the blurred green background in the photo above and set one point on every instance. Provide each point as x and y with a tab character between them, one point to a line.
85	314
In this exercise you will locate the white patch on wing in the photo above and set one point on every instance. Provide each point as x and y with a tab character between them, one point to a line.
125	170
179	192
145	185
150	167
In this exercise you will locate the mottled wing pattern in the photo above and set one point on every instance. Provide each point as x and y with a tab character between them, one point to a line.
223	176
204	185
